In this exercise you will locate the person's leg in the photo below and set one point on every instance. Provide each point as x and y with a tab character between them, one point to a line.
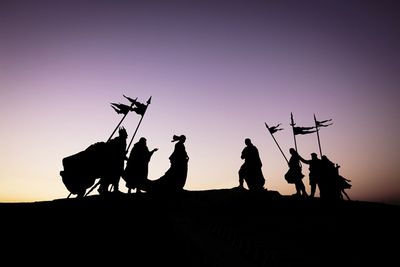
302	188
313	187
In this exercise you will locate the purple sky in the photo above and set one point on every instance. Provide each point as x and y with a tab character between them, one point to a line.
216	71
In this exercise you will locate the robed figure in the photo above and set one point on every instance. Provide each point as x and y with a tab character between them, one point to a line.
295	175
251	171
104	160
174	178
137	166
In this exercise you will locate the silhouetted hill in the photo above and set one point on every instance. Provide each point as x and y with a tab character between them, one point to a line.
226	227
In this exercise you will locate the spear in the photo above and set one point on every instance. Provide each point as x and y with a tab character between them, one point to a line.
319	124
272	131
319	142
293	124
125	113
141	111
119	108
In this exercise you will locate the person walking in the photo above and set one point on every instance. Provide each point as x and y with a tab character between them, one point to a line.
294	175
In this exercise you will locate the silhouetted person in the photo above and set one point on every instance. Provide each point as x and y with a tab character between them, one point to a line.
115	162
294	175
329	186
174	178
251	171
104	160
332	185
314	171
137	166
342	183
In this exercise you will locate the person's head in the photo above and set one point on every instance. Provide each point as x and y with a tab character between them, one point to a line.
247	141
122	132
314	156
181	138
292	151
142	140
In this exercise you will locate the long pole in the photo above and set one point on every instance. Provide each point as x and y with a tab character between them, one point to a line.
273	137
98	182
319	142
140	121
293	124
132	104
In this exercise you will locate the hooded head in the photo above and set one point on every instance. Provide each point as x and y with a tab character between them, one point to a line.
181	138
122	132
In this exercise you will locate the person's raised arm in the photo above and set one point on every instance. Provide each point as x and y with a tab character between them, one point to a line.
304	160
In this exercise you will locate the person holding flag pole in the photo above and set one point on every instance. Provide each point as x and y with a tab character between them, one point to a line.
140	109
294	174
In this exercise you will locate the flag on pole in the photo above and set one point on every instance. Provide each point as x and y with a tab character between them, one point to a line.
303	130
273	129
319	124
300	130
133	101
322	123
140	108
121	108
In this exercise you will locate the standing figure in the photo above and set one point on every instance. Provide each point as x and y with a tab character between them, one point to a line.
294	174
328	184
174	178
114	162
332	185
342	184
314	172
137	166
251	171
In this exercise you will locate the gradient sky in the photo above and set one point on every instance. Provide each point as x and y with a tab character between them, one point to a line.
216	71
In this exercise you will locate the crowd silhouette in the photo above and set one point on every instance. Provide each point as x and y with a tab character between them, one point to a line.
106	161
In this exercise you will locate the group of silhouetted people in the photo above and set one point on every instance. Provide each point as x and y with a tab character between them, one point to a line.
137	167
323	174
106	160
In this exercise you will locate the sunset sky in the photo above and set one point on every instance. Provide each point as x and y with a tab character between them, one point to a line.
216	72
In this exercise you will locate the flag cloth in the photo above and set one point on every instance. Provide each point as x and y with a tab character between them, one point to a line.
121	108
273	129
133	101
140	108
303	130
321	123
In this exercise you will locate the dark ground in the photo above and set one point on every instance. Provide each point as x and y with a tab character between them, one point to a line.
226	227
